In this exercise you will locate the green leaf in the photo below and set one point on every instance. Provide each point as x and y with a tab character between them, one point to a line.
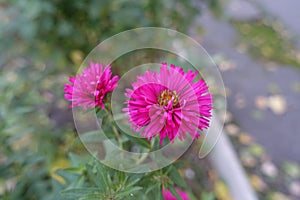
207	196
156	143
176	178
140	141
174	192
127	191
98	177
77	160
74	170
92	197
67	176
160	159
23	110
76	193
20	135
93	136
142	168
158	192
152	187
133	182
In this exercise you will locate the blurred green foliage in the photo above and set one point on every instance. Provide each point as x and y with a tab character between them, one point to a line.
267	41
51	28
96	181
32	140
39	41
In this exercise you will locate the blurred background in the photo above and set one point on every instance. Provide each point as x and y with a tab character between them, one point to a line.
254	43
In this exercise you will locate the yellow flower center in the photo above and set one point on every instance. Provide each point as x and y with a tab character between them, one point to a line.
166	96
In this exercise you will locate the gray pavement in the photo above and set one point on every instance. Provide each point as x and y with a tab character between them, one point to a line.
249	79
287	11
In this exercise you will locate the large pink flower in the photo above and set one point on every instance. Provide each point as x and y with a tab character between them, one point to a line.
90	87
169	196
169	104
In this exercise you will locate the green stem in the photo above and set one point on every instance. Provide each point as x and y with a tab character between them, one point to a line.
117	136
145	155
115	130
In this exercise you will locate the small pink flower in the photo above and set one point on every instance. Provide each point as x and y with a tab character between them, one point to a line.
169	196
90	87
169	104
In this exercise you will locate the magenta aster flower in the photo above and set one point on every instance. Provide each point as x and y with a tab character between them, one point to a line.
169	196
169	104
90	87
